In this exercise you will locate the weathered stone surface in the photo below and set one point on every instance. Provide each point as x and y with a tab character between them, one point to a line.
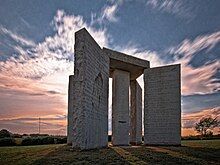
90	94
127	63
88	98
135	113
70	108
120	107
162	105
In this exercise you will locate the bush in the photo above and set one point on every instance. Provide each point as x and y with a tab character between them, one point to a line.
37	135
30	141
27	141
4	133
37	140
47	140
16	135
60	140
199	137
7	141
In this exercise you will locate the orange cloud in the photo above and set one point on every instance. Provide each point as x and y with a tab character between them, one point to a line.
35	83
199	80
51	124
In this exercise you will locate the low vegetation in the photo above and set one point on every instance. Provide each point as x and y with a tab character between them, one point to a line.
25	154
34	149
191	152
9	139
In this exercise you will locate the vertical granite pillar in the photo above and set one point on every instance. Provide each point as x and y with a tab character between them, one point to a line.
120	107
70	108
162	105
135	113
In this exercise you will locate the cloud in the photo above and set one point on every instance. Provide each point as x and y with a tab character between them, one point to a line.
188	48
194	103
52	124
190	119
35	82
25	22
45	118
53	92
54	54
134	50
22	40
17	103
67	25
176	7
109	13
199	80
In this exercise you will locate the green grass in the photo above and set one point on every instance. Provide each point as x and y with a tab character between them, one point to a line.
202	143
24	154
191	152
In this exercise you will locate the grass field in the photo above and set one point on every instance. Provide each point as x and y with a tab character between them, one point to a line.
191	152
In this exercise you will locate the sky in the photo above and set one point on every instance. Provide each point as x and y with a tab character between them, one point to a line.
37	53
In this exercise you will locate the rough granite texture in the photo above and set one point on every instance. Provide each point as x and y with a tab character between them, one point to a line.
90	94
88	98
120	107
70	108
127	63
135	113
162	105
126	58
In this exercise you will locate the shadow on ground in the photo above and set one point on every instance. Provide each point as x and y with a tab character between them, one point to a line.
67	155
175	155
132	155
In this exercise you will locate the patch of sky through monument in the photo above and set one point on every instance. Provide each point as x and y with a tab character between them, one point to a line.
160	31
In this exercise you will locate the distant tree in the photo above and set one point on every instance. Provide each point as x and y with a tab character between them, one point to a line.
16	135
206	125
4	133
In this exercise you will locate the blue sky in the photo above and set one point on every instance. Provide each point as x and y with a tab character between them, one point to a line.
37	52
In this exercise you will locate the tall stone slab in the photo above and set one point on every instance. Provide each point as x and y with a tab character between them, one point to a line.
70	108
162	105
89	113
120	107
135	113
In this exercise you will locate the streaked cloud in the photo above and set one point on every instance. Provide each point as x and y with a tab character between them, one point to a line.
53	124
22	40
176	7
134	50
188	47
34	83
25	23
197	102
54	54
199	80
109	13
